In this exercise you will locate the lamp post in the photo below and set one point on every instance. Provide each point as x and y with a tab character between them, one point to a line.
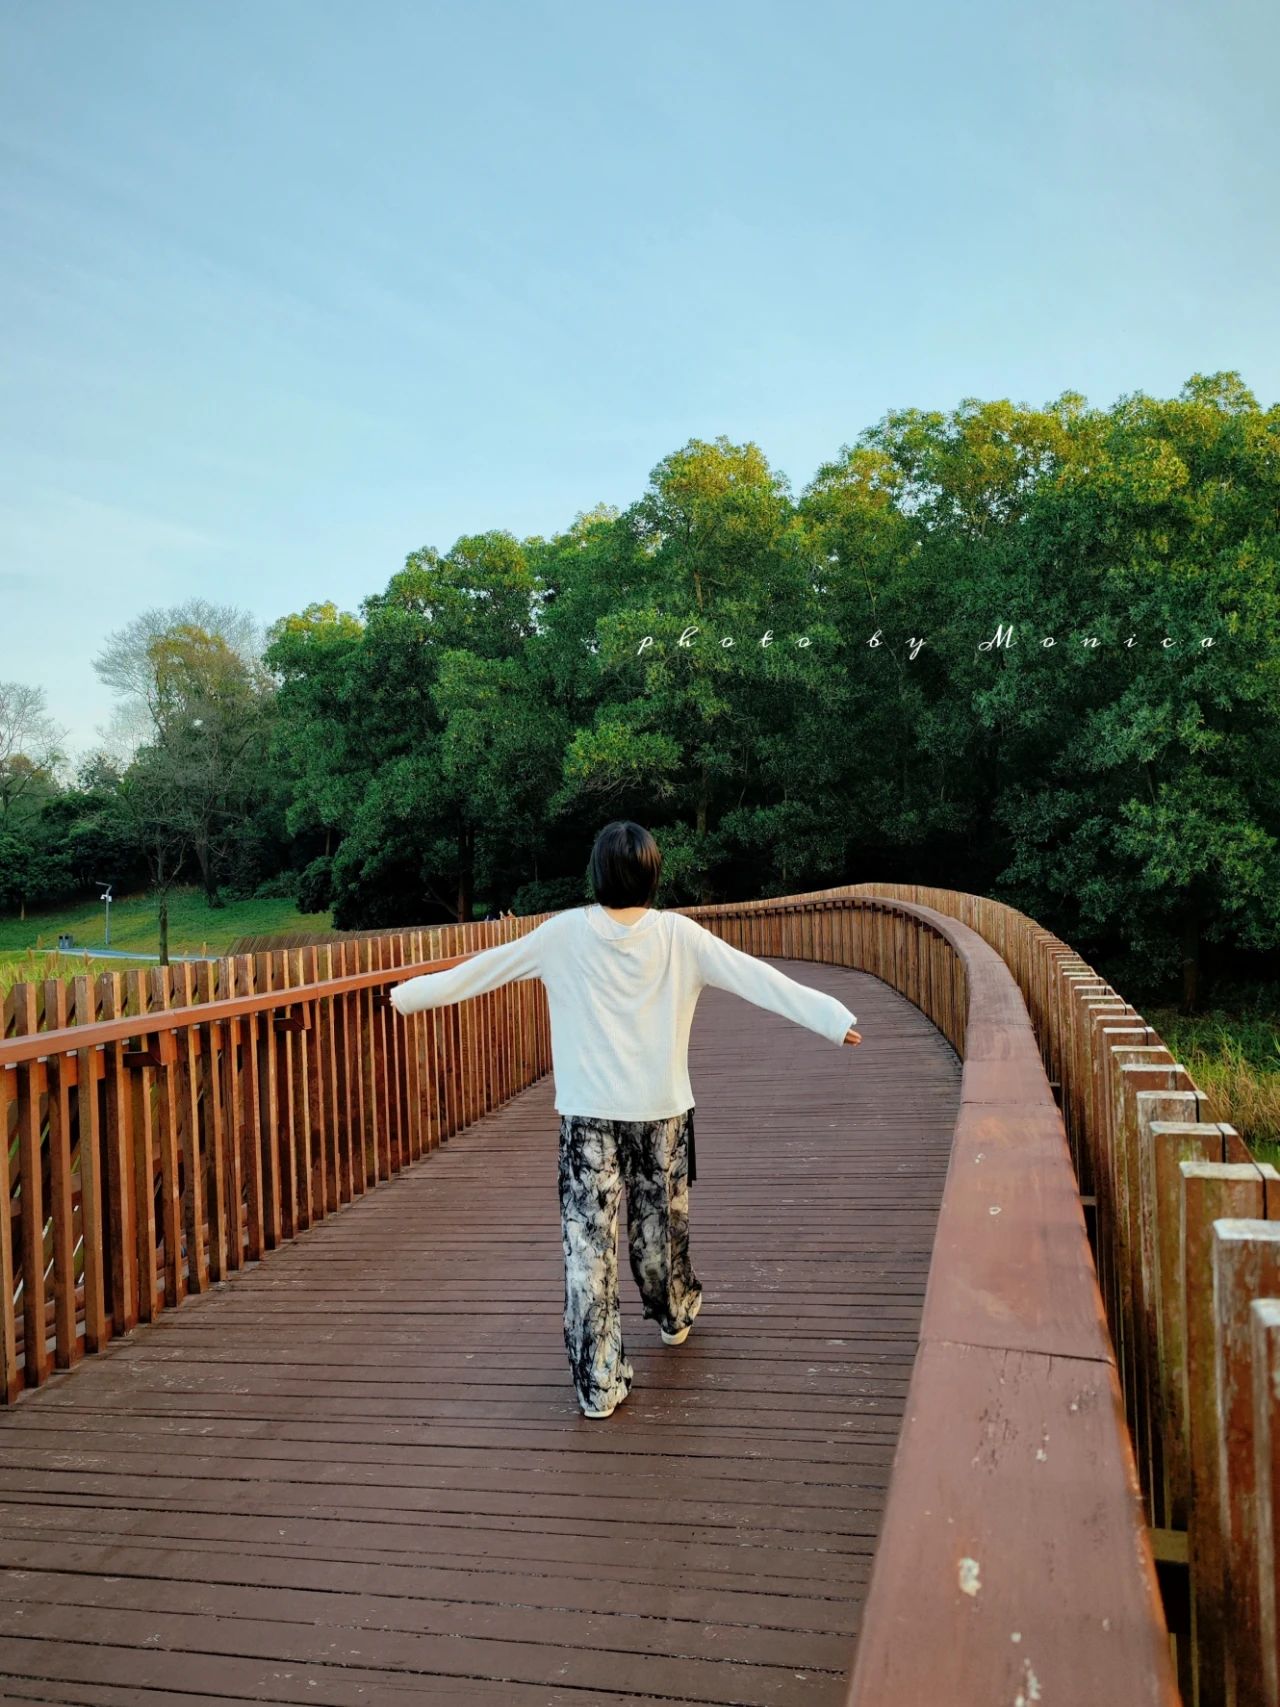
106	898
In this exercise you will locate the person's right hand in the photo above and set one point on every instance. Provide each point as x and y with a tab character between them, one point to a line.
852	1036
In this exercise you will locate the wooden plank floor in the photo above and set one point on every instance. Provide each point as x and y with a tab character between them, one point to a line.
356	1473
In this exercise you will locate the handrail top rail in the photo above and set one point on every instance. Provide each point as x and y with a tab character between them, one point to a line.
70	1040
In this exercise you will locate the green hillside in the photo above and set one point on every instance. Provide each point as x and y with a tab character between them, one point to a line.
28	947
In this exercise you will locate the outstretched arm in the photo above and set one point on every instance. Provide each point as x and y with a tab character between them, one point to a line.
728	968
504	963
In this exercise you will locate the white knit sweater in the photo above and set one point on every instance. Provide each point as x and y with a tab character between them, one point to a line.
621	999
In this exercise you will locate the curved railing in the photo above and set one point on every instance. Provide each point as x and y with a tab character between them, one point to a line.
1185	1226
227	1108
1013	1562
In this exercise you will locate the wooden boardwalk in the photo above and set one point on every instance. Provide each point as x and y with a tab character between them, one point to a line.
357	1473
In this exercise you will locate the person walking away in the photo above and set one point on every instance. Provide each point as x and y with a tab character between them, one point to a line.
622	978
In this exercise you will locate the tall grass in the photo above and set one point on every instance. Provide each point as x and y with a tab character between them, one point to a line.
36	964
1235	1060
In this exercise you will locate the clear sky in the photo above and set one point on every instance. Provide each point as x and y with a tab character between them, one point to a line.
290	288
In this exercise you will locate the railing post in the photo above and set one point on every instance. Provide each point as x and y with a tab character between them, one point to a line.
194	1164
10	1375
292	1134
1096	1017
234	1053
248	1116
93	1223
1246	1265
319	1080
31	1197
346	1022
208	1080
139	1065
1082	992
1132	1068
164	1049
61	1215
1154	1112
1211	1192
327	1055
1264	1317
412	1036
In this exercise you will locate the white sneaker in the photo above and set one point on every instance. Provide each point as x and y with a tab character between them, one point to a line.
608	1411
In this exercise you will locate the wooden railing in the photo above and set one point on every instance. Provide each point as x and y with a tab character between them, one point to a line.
1013	1564
162	1128
1184	1224
166	1127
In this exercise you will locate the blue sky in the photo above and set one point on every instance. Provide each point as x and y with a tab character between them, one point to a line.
292	288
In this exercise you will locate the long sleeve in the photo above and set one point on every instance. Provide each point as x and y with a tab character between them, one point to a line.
504	963
728	968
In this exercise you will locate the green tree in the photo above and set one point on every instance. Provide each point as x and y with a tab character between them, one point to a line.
198	699
395	727
1159	810
30	749
33	865
470	730
317	741
674	630
152	804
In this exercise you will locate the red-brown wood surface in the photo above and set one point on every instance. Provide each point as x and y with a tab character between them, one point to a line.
1034	1608
1020	1289
357	1472
1014	1458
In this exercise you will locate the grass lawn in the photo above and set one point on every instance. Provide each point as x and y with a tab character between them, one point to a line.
28	947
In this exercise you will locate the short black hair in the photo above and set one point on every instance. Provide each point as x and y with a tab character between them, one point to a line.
626	864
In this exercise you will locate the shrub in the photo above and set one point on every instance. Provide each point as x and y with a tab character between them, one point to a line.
314	891
282	887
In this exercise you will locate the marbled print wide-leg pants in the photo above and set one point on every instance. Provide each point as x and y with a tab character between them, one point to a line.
597	1157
